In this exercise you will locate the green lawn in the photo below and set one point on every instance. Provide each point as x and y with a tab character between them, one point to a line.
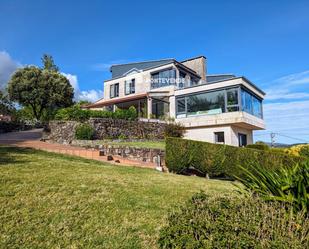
142	144
55	201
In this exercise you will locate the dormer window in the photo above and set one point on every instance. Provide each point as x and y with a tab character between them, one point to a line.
129	86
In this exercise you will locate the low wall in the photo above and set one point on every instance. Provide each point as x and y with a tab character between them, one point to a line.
105	128
148	155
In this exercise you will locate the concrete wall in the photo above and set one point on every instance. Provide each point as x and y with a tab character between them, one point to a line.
244	119
207	134
198	65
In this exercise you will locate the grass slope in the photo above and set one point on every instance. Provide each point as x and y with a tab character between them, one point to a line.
55	201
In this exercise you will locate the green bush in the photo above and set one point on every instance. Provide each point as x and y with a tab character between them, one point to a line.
258	146
304	151
289	185
222	222
174	130
75	113
84	132
218	159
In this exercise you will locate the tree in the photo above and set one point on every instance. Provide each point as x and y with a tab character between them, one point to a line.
6	107
48	63
42	90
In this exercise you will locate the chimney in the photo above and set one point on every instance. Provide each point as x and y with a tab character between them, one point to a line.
198	64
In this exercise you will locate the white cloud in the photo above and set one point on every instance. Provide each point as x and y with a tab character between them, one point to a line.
293	86
90	95
7	68
286	109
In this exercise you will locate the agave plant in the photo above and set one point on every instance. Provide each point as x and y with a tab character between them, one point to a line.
289	185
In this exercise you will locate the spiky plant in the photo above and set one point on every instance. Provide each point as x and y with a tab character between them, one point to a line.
289	185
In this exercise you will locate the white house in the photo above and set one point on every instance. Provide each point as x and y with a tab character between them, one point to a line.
215	108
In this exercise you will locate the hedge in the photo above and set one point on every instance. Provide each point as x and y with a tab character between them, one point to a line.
234	222
220	160
75	113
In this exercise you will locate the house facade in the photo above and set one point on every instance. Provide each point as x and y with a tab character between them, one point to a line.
221	108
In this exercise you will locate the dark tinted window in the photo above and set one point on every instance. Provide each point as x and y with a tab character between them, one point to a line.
219	137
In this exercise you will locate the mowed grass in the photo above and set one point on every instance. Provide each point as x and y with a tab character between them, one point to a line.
55	201
141	144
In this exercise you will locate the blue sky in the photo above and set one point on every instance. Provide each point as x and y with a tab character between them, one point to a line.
266	41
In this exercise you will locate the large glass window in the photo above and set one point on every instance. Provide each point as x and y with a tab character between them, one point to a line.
227	100
257	107
181	105
251	104
129	86
232	100
163	78
160	108
206	103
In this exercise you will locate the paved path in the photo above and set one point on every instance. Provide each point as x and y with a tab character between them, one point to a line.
31	139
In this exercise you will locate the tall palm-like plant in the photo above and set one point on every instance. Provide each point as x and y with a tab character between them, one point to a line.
290	185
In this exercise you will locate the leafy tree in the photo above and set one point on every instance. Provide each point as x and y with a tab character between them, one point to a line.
6	107
48	63
42	90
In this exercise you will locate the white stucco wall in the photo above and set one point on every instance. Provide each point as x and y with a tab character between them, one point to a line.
207	134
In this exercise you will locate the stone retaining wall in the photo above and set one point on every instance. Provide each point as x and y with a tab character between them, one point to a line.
105	128
149	155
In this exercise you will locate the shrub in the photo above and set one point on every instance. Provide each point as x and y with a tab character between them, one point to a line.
218	159
84	132
304	151
259	146
290	185
72	113
174	130
75	113
298	150
222	222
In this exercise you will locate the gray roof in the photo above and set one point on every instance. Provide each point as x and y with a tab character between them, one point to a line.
217	77
120	70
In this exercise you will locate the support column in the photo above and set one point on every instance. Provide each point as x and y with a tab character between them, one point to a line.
172	106
149	107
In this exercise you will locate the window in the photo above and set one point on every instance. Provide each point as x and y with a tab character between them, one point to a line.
206	103
242	140
219	137
160	108
114	90
163	78
220	101
129	86
251	104
232	100
181	105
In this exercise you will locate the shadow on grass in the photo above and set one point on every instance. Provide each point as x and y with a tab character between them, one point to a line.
8	154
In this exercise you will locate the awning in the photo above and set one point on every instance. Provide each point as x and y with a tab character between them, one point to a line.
102	103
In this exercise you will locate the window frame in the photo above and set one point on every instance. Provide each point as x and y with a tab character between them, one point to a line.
131	86
112	90
216	135
239	140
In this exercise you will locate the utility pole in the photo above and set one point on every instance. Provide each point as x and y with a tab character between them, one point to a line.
272	139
